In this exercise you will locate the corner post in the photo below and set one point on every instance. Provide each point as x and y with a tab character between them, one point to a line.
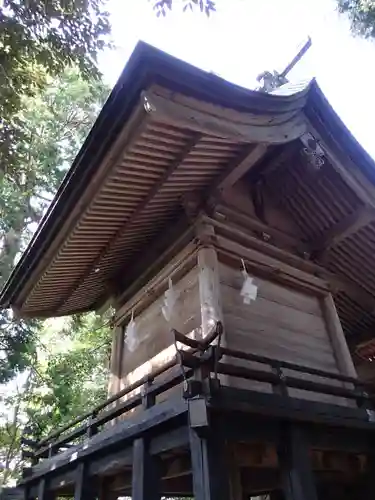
209	283
146	473
338	341
210	477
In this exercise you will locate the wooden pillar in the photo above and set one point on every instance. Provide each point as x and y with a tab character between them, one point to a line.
146	473
297	475
210	476
338	341
116	360
208	455
209	284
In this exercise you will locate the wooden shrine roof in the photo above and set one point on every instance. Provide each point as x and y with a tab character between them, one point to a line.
169	129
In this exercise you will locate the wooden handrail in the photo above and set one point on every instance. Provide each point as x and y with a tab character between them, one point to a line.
97	417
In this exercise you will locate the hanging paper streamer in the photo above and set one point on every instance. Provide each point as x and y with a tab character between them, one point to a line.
170	299
131	337
249	290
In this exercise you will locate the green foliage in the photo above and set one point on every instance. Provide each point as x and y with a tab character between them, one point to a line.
57	370
39	38
205	6
55	123
361	14
72	370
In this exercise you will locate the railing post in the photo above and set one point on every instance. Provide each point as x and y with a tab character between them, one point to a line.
148	399
281	388
146	473
91	427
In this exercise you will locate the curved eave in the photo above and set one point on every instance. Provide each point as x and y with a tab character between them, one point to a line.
146	66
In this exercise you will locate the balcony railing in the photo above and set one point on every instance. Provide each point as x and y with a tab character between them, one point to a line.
199	367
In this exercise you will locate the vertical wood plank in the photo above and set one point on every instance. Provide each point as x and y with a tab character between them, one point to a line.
342	354
146	473
296	469
210	475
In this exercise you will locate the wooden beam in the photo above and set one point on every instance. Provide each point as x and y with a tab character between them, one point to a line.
146	473
342	230
249	157
213	120
224	213
335	281
296	469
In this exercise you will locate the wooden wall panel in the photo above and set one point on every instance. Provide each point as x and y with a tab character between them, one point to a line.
283	323
155	339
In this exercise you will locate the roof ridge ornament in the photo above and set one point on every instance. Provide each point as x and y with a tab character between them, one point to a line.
271	80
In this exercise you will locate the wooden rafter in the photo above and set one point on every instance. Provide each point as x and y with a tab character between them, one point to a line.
193	140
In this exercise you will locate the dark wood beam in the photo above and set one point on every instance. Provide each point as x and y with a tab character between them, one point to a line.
342	230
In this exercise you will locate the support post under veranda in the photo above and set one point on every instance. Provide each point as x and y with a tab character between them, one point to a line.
298	480
146	473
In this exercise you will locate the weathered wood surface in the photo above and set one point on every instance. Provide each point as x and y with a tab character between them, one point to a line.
196	115
282	323
107	441
156	343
